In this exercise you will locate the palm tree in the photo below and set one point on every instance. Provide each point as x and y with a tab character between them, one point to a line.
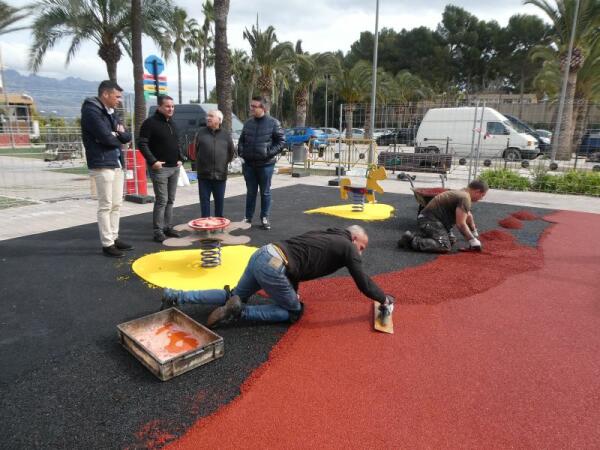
308	70
351	86
138	64
586	32
193	53
207	50
179	32
107	23
268	56
9	15
411	88
242	73
587	90
222	61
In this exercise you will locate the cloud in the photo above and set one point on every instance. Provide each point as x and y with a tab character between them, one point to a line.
322	26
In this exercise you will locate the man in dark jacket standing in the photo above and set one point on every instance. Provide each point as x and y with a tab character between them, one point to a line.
160	146
260	142
278	269
103	136
214	152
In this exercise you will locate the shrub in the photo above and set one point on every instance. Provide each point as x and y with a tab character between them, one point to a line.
505	179
571	182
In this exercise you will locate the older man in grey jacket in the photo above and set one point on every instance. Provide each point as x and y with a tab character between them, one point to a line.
214	151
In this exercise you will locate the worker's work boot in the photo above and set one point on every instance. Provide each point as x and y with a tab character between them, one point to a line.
230	312
406	239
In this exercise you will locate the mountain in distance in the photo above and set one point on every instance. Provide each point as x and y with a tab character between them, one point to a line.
51	96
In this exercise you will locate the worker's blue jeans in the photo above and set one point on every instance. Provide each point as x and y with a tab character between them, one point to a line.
265	270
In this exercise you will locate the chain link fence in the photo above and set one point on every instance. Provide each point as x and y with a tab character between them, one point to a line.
510	145
42	158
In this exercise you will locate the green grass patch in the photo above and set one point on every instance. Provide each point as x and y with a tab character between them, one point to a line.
82	170
23	152
8	202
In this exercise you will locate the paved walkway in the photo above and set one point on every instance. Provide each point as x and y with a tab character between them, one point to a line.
49	216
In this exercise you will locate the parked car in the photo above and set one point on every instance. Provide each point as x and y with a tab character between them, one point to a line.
544	133
590	143
523	127
454	127
305	135
357	133
404	136
379	132
330	133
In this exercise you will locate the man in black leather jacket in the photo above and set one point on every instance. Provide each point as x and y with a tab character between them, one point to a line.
261	141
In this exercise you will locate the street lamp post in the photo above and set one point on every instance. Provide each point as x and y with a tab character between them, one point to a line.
327	76
374	86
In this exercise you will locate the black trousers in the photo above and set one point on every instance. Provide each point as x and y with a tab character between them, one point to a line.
432	236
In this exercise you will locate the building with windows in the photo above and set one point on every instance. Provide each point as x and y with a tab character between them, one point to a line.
16	119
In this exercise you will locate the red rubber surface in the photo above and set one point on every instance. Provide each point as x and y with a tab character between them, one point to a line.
497	349
511	222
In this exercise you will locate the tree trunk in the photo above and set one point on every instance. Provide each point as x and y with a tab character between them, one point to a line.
568	127
521	93
138	65
300	100
179	76
199	67
111	69
222	61
367	125
204	60
581	120
348	110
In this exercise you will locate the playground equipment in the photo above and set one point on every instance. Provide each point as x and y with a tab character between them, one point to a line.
360	194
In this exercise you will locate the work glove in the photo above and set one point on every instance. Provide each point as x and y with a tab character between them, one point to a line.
474	244
452	237
475	233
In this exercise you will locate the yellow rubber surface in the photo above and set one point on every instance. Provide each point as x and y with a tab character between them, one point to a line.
181	269
373	211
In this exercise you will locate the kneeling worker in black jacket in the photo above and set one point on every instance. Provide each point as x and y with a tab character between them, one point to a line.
278	268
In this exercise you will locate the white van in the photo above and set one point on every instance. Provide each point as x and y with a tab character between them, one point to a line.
453	127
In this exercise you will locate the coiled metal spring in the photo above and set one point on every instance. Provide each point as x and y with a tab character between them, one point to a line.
210	252
358	201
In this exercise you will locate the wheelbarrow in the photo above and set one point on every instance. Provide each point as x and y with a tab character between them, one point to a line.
422	195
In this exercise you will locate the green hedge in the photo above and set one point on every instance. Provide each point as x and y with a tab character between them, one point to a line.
571	182
505	179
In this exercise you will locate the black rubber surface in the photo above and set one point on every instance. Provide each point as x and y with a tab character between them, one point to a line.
65	380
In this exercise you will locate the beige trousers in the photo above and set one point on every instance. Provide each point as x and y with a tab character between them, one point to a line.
109	186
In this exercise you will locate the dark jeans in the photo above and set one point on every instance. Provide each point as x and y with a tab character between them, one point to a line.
164	182
432	237
217	189
258	177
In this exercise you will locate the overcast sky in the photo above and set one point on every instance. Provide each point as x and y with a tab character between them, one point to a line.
321	25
